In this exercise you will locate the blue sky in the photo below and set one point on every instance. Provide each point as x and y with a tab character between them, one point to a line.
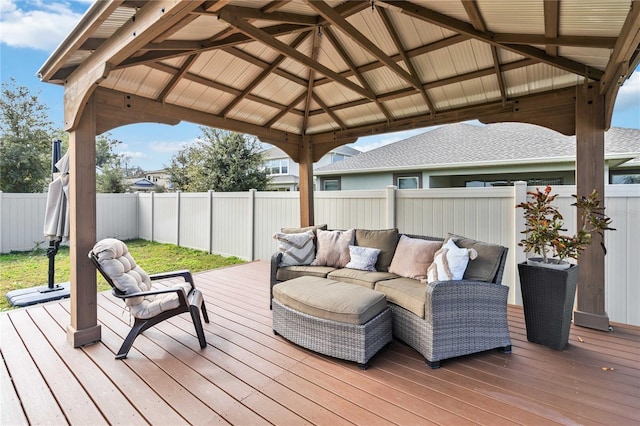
30	30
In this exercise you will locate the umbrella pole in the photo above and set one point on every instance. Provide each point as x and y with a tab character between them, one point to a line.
54	245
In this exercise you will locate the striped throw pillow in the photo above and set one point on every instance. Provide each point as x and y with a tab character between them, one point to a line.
296	249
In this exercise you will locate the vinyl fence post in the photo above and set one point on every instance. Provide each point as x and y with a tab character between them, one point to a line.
210	216
252	221
178	217
153	207
519	196
391	206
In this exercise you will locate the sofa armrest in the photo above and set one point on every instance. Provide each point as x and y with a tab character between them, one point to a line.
276	258
465	303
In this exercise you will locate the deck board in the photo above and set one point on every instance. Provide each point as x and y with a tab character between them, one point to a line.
247	375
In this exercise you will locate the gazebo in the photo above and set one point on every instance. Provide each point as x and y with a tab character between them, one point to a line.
307	76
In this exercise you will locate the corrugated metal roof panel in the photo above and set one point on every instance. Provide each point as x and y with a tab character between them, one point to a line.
372	27
536	78
202	28
252	112
448	7
115	21
519	17
361	114
407	107
414	33
278	89
594	18
596	58
383	80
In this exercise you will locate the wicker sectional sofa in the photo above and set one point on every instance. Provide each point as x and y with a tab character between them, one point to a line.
440	319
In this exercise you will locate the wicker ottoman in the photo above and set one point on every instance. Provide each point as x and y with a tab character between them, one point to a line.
342	320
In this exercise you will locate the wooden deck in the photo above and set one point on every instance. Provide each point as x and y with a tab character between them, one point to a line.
248	376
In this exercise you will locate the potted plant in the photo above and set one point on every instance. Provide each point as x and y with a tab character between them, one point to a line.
548	283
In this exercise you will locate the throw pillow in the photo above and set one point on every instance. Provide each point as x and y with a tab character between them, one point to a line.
413	257
313	228
333	248
363	258
384	239
486	265
296	249
450	262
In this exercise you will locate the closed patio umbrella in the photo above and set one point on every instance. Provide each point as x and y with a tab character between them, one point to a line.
56	230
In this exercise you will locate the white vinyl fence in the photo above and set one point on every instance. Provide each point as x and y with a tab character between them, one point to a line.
242	224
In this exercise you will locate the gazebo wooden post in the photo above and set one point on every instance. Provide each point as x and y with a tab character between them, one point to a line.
590	123
306	182
84	328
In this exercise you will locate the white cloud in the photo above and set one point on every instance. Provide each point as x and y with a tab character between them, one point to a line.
170	147
37	25
629	93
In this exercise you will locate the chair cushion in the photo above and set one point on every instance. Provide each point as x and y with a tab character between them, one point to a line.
291	272
384	239
405	292
485	266
363	278
331	300
116	262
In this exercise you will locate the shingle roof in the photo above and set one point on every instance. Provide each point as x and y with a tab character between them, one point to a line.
275	152
468	144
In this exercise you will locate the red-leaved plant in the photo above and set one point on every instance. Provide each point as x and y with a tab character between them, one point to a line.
544	225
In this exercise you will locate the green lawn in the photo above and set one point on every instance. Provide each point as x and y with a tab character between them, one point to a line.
30	269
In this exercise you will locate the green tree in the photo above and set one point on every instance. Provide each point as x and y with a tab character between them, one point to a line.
111	179
221	161
104	150
25	140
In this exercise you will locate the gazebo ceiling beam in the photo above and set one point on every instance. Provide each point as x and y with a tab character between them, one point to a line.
266	71
141	109
354	69
551	24
275	44
462	27
405	58
514	109
177	77
475	16
150	20
618	70
343	25
315	47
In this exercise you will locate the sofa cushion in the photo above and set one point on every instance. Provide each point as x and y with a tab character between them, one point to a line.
296	249
450	262
485	266
313	228
331	300
333	248
363	258
291	272
384	239
405	292
363	278
413	257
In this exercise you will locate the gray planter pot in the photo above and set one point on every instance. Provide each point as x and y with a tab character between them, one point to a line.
547	297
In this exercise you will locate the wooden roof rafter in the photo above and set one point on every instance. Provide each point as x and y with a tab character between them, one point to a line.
475	16
462	27
354	69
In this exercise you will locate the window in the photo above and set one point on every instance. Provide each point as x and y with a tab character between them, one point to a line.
407	181
279	166
330	184
625	177
509	182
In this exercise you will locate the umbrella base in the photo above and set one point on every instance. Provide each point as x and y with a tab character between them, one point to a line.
34	295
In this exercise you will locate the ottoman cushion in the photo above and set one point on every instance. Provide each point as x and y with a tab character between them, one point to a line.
331	300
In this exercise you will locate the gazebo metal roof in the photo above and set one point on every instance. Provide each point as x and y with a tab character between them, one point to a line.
308	76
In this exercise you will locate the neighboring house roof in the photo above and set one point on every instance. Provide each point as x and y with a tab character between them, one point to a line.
467	145
275	152
143	183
